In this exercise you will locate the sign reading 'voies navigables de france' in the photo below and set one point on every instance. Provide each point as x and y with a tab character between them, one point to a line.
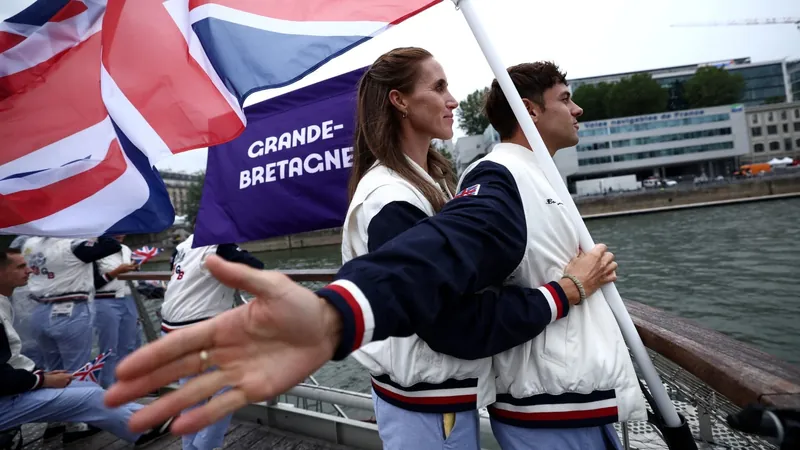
287	172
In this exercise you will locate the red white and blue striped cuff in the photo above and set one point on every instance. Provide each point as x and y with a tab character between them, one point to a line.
39	374
557	299
358	322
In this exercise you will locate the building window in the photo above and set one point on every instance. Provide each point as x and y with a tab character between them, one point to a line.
797	126
770	117
797	113
755	131
774	145
594	132
787	144
673	151
772	129
755	119
595	146
592	161
786	128
758	148
797	143
671	137
633	127
783	115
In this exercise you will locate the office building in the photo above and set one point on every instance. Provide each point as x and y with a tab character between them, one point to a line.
178	189
793	72
774	132
765	82
707	141
471	148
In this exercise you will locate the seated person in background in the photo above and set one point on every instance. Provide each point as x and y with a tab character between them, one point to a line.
29	395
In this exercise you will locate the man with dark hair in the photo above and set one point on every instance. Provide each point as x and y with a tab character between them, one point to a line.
565	388
532	80
23	308
29	394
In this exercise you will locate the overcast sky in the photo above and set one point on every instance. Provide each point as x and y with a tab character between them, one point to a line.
586	38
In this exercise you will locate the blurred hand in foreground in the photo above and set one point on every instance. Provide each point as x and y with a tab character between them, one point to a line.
260	350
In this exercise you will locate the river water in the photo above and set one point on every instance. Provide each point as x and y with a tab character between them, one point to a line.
730	268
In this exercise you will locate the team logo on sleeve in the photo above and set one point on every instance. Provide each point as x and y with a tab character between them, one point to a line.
37	260
472	190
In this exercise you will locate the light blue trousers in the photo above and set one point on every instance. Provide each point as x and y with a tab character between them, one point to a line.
592	438
65	342
81	401
210	437
115	322
139	336
401	429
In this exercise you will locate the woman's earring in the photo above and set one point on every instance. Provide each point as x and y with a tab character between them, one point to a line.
405	115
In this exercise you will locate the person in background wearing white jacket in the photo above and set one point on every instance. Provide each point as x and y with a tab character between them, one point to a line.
115	309
192	297
62	283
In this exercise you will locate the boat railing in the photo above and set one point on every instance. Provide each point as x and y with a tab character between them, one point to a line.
707	374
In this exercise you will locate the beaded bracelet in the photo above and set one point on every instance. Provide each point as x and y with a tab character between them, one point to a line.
578	284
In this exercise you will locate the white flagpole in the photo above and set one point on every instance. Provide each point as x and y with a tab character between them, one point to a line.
665	406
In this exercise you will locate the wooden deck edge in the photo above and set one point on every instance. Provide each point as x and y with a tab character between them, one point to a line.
736	370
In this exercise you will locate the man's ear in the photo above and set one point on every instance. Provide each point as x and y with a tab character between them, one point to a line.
533	110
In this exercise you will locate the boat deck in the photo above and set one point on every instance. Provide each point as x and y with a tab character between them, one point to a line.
240	436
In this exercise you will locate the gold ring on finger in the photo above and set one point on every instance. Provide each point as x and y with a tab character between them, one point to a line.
204	363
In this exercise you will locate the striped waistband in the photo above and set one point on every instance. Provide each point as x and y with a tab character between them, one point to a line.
66	297
167	326
110	294
568	410
448	396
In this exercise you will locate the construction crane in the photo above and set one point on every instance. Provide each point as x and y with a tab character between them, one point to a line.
727	23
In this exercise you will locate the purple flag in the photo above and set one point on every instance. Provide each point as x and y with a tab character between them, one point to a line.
287	172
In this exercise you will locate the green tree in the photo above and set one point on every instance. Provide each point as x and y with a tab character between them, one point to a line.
636	95
193	196
470	114
677	97
712	86
449	156
593	98
775	99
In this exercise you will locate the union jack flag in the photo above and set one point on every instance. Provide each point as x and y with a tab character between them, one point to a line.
90	369
472	190
94	92
144	254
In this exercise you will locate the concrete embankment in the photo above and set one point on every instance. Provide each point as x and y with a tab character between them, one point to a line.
676	198
641	202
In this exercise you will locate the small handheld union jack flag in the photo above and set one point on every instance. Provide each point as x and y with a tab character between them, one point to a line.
144	254
90	369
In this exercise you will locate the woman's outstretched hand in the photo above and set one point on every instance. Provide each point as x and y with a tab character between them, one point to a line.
260	350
